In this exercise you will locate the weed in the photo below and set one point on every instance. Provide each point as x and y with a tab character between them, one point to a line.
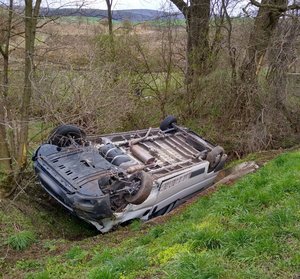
153	234
170	253
39	275
157	232
76	253
50	245
120	265
102	273
100	258
136	225
200	266
28	264
21	240
144	240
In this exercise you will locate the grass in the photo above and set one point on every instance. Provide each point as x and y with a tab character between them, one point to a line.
249	230
21	240
24	223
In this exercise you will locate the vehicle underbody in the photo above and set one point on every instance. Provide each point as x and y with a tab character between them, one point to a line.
110	179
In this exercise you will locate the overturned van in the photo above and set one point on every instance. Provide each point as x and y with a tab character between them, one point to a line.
110	179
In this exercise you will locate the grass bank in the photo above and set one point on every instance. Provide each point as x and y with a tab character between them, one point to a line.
248	230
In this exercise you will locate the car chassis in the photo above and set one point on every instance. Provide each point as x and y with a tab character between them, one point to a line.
110	179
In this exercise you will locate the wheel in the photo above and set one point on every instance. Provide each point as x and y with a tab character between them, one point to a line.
146	182
65	135
167	123
214	157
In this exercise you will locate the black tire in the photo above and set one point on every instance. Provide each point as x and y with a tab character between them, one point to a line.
214	157
64	135
167	123
144	191
221	163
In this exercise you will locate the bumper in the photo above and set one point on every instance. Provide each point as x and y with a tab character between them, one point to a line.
92	208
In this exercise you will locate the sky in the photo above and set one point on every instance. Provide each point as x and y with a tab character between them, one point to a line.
165	5
136	4
117	4
101	4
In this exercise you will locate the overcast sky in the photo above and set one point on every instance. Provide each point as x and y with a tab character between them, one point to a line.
117	4
165	5
136	4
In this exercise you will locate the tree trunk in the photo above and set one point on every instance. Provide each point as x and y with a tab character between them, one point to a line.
198	50
109	16
197	15
5	156
110	31
31	15
265	23
5	160
282	56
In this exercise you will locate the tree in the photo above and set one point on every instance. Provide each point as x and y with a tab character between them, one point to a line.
31	17
109	16
109	4
265	23
253	108
5	157
282	54
198	51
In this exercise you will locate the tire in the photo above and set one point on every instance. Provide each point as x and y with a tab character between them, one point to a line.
214	157
64	135
166	124
144	190
221	163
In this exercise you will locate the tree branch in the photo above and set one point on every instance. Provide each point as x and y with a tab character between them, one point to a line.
281	8
181	5
46	22
293	7
36	9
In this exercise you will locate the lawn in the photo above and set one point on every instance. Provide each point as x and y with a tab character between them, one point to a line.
247	230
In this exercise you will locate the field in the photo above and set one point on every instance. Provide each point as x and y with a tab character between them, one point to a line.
247	230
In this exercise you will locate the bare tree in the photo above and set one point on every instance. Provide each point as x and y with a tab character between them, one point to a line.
282	55
159	78
197	19
31	17
5	158
253	109
109	16
264	25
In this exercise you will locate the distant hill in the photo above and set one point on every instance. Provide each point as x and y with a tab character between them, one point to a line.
119	15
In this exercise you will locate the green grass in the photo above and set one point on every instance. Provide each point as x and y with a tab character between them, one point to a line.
28	264
25	222
249	230
21	240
